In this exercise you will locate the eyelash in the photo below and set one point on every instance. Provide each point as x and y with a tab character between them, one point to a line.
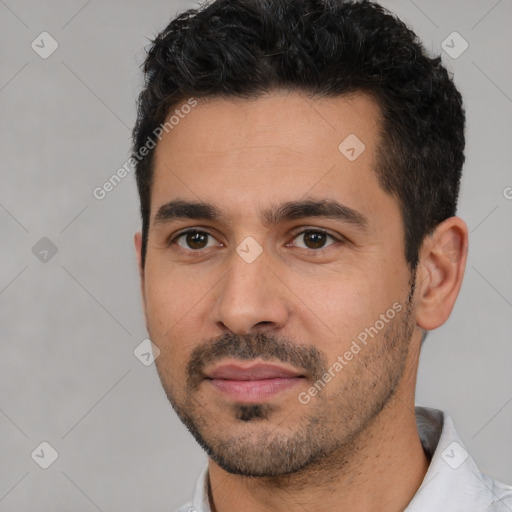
173	239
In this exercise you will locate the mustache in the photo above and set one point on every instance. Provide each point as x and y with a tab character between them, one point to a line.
264	346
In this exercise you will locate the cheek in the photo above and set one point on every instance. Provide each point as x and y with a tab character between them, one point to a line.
342	306
168	296
172	306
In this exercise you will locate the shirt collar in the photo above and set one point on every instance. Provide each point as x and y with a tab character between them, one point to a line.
453	481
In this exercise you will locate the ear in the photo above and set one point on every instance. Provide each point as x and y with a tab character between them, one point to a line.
138	250
441	268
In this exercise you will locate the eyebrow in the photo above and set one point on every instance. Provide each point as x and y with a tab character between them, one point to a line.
291	210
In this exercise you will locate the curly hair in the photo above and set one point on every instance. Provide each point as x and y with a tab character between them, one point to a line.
248	48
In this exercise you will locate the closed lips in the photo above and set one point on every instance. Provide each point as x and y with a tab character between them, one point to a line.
255	372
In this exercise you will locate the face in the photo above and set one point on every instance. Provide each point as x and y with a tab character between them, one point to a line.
275	283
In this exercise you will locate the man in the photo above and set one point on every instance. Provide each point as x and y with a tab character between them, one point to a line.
298	164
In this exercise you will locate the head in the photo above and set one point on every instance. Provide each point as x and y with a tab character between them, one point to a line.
260	118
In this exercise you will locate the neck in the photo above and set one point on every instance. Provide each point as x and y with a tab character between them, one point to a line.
380	470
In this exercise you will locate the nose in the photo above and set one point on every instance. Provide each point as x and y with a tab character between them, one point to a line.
251	296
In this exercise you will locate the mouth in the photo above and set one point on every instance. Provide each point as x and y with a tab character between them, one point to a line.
253	382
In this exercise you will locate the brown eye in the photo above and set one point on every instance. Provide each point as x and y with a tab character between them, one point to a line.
314	239
193	239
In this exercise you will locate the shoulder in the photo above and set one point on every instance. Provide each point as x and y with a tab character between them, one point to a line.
501	496
188	507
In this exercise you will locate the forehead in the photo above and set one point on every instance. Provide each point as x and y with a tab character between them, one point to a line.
239	153
282	120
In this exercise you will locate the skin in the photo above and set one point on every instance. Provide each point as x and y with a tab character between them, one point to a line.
354	445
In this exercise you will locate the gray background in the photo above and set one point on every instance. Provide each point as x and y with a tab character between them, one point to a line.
69	325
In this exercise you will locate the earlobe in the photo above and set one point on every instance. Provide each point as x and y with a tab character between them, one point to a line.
441	269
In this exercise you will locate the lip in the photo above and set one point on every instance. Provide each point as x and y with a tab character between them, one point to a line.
253	383
254	371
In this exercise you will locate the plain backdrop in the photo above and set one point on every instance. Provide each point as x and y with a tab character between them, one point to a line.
70	311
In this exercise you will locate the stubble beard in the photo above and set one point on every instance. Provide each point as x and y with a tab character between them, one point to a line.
327	434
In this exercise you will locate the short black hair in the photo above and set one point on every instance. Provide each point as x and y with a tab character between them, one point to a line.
248	48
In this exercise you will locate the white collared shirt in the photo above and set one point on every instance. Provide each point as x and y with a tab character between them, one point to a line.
453	482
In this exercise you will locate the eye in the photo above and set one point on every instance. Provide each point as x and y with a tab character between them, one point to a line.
192	239
315	239
196	240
